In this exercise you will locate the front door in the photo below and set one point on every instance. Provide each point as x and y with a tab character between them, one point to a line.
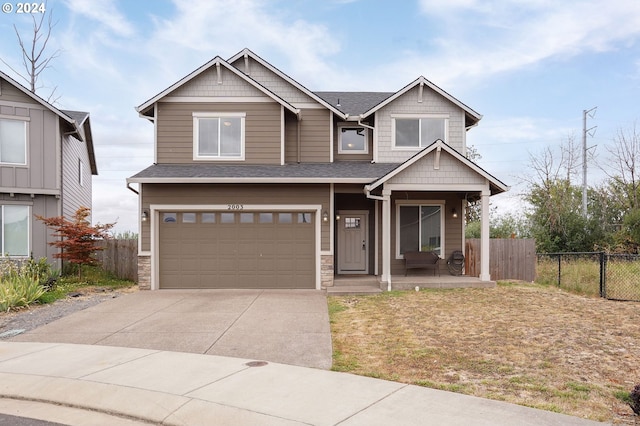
353	247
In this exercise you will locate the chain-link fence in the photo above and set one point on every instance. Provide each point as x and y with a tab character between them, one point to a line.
613	276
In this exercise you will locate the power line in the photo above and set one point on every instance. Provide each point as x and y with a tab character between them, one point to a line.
591	113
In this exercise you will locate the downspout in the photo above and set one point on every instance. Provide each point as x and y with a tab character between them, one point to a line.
131	189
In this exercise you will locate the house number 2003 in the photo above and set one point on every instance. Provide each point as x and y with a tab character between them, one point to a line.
235	207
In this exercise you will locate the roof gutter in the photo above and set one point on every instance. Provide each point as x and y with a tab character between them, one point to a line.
131	189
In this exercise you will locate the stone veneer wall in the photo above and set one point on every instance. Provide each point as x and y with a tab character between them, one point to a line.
144	272
326	270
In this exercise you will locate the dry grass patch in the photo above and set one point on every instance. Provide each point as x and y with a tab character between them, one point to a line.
526	344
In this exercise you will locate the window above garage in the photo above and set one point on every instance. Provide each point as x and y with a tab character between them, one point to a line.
218	136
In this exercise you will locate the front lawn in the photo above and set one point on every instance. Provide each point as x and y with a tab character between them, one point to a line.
527	344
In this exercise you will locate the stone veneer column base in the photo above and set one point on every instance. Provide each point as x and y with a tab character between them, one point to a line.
326	270
144	272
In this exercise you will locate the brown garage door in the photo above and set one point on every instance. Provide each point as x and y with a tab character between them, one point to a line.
237	250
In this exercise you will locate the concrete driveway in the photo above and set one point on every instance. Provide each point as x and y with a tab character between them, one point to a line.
283	326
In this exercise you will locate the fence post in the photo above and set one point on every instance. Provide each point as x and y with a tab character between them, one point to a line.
559	267
603	274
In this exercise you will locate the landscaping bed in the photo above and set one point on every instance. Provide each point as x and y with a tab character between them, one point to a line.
526	344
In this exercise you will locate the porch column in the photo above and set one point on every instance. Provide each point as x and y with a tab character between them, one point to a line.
386	237
484	237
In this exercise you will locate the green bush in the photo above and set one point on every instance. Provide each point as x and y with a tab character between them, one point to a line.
19	290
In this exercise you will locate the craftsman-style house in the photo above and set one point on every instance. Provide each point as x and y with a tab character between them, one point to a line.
258	182
46	164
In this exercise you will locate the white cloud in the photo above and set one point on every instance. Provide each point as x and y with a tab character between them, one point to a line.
485	38
104	12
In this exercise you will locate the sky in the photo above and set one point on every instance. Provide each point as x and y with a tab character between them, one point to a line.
530	67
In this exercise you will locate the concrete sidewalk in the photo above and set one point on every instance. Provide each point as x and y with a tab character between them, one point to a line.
112	385
284	326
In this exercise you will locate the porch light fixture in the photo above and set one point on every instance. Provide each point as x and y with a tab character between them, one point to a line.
145	215
325	216
454	213
337	217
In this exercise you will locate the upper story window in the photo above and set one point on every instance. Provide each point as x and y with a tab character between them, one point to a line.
412	132
13	142
218	136
353	140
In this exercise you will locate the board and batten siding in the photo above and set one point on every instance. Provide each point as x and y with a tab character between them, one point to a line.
175	130
74	194
207	194
41	171
40	235
432	103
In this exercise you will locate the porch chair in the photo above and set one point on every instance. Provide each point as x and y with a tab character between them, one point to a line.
421	260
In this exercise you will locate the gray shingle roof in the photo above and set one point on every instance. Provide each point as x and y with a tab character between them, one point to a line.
354	103
328	171
78	116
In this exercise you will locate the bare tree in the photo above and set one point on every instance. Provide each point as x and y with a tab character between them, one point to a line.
623	167
548	168
34	58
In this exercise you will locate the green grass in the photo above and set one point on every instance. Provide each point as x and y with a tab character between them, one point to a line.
92	276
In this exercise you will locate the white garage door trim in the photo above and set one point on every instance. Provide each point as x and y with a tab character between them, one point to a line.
155	227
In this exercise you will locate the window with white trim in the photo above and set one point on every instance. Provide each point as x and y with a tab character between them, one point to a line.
14	230
420	227
353	140
418	132
13	142
218	136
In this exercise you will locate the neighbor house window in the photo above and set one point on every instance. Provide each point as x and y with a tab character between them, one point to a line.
353	140
13	141
418	132
420	228
218	136
14	230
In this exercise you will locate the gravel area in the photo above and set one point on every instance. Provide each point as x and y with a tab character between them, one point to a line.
35	316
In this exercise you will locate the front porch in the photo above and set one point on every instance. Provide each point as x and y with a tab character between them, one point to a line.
371	284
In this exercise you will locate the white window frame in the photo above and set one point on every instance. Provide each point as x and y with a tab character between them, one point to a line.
444	117
421	203
2	233
352	151
196	135
26	139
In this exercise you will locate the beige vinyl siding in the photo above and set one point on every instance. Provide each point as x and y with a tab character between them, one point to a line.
75	195
452	232
206	194
262	130
9	93
315	135
40	172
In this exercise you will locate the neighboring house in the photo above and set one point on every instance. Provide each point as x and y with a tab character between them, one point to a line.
259	182
46	164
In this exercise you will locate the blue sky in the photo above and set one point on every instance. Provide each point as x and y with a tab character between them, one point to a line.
529	66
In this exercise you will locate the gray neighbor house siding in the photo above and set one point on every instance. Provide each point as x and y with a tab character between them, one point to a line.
49	183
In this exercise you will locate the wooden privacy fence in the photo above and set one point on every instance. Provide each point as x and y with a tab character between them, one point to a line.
509	258
120	257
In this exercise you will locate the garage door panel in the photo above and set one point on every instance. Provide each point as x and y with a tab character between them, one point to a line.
269	250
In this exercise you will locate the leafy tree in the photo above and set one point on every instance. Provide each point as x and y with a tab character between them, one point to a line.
78	239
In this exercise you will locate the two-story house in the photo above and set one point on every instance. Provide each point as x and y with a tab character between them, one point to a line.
46	164
259	182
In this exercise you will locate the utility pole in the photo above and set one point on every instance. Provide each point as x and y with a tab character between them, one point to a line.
591	113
